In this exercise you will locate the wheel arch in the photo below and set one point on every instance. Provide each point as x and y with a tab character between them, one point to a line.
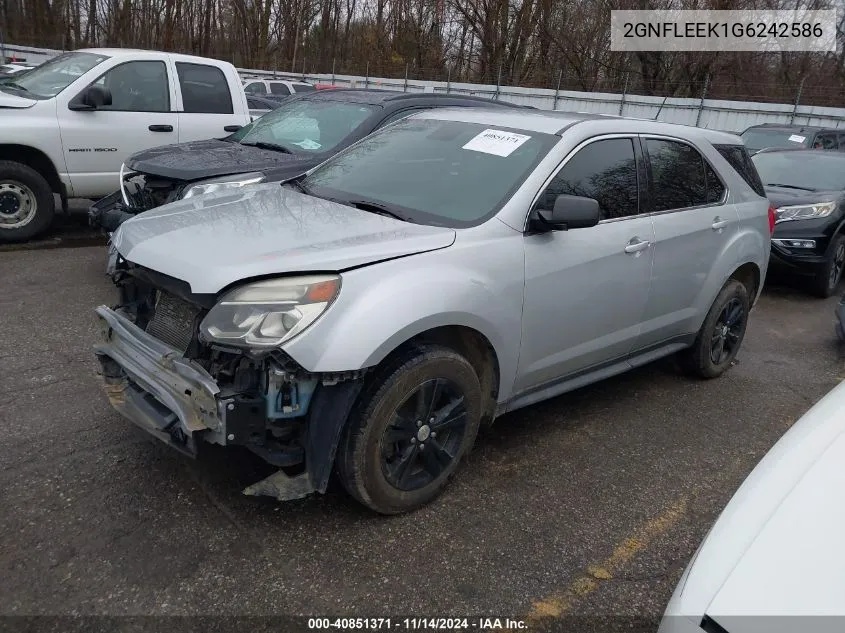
748	275
34	158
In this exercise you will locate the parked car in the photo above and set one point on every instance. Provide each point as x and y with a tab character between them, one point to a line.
840	319
66	126
773	560
301	133
458	264
276	88
807	189
769	135
259	106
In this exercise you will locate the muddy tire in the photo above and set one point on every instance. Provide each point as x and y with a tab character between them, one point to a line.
414	421
26	202
721	334
826	280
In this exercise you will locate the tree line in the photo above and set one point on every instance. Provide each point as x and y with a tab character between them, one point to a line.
541	43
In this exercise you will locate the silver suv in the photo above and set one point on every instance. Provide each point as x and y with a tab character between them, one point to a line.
366	318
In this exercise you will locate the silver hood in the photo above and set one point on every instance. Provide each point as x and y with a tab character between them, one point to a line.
215	240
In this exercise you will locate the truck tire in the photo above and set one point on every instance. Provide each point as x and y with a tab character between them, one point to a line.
411	426
26	202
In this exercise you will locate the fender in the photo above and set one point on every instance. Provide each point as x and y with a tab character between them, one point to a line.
384	305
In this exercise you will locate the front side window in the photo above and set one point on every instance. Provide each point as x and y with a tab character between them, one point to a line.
279	89
204	89
137	87
605	171
53	76
256	88
825	141
681	177
432	172
312	126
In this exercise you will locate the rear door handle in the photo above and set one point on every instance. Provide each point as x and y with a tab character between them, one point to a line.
160	128
636	245
719	223
232	128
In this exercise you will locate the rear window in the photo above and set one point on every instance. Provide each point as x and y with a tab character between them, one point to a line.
739	159
204	89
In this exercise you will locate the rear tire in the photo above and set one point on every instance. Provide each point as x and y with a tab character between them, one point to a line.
721	334
413	423
826	281
27	205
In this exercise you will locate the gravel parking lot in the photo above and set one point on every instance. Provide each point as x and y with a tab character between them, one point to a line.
586	505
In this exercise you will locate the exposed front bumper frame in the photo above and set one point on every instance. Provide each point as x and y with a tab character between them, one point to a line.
150	383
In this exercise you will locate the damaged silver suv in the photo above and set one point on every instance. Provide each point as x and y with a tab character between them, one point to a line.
366	318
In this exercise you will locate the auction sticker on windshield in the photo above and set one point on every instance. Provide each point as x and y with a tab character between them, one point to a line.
797	139
496	142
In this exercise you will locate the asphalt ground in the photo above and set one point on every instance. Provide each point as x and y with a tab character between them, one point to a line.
576	514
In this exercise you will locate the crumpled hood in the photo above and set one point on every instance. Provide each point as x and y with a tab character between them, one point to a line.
777	548
205	159
215	240
13	101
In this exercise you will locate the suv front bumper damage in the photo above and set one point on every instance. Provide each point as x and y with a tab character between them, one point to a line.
180	403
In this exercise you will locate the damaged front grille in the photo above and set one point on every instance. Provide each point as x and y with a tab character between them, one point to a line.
146	192
174	321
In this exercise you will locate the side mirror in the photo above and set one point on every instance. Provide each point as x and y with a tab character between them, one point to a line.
569	212
92	98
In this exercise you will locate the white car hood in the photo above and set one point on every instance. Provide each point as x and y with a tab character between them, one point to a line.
777	548
13	101
215	240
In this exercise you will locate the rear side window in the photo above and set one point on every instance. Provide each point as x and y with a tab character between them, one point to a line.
605	171
303	87
255	88
279	89
204	89
739	159
681	177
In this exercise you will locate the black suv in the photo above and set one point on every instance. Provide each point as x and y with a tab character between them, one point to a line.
775	136
807	189
282	144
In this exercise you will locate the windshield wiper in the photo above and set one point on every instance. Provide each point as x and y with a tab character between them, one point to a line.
375	207
777	184
297	182
276	147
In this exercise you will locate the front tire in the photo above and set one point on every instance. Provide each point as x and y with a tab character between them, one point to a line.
413	423
826	281
26	202
721	334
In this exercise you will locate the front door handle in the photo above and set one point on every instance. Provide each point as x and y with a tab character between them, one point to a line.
232	128
636	245
719	223
160	128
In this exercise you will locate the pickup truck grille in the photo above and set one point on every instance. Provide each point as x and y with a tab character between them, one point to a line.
173	321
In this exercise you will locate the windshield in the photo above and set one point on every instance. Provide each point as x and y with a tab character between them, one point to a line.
53	76
817	171
432	172
756	139
312	126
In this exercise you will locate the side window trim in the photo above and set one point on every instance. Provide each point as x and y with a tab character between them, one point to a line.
593	139
650	183
167	75
393	116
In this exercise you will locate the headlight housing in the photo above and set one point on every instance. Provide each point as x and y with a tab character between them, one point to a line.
268	313
805	211
222	184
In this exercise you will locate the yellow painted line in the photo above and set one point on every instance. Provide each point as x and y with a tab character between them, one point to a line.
559	603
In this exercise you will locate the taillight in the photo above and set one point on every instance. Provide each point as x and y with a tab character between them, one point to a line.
771	220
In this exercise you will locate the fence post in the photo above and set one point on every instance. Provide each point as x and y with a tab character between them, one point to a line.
797	101
498	82
333	60
703	96
557	90
405	87
367	77
448	80
624	91
303	67
660	109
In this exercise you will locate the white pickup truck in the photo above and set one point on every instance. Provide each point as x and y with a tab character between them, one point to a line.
67	126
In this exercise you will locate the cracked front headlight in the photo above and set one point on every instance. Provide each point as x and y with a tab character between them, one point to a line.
223	184
268	313
804	211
